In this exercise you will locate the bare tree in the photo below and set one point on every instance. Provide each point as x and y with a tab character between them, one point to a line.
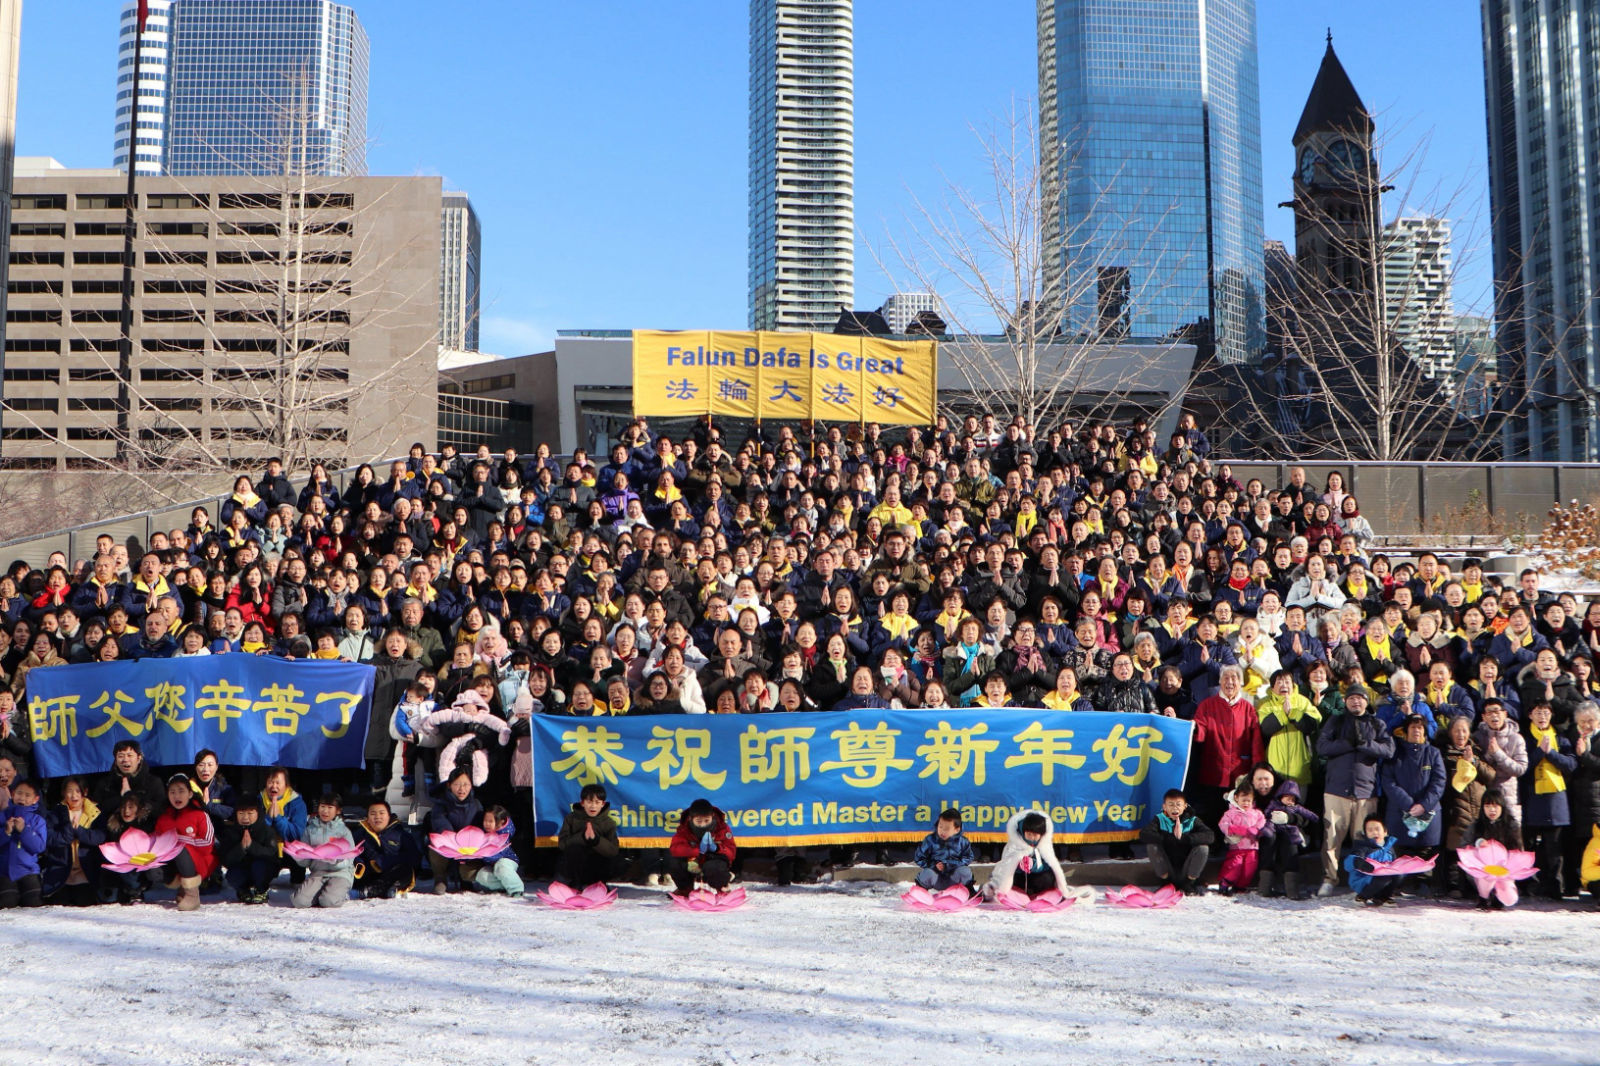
1035	332
1342	379
301	271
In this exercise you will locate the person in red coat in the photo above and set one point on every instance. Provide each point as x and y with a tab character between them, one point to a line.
1227	741
702	849
192	825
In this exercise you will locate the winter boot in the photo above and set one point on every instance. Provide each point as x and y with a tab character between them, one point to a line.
189	894
1269	884
1291	885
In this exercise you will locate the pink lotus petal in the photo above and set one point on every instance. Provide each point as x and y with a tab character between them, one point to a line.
559	891
954	898
1403	866
1506	891
599	893
917	897
329	851
1050	902
1011	899
471	844
137	850
1166	896
702	899
1136	898
562	897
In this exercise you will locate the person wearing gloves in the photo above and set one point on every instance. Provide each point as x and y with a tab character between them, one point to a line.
1413	788
1028	864
702	849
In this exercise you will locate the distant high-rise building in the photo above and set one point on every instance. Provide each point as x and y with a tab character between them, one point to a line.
1416	290
458	274
1542	78
802	163
1474	344
145	130
902	309
1150	146
233	87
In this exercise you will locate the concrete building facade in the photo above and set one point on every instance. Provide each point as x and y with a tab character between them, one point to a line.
225	355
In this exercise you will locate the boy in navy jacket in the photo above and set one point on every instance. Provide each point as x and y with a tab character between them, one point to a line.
945	855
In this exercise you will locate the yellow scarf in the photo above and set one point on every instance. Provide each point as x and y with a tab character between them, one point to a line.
1378	649
1546	778
1437	694
325	653
1055	702
249	499
898	626
1026	520
1474	593
250	647
276	808
983	701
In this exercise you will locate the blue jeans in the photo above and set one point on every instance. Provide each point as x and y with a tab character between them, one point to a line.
934	881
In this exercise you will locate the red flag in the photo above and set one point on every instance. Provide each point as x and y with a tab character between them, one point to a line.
144	14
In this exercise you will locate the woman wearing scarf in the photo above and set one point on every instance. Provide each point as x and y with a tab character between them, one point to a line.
1543	790
1065	696
1352	522
244	499
1468	775
1377	654
967	661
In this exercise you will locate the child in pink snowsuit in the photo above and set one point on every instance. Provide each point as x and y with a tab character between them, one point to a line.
1241	826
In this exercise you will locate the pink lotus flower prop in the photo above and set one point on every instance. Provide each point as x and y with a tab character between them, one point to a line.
329	851
136	850
703	899
562	897
1402	866
471	844
954	898
1495	869
1044	903
1136	898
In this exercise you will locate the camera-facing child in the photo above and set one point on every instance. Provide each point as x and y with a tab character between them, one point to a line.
945	855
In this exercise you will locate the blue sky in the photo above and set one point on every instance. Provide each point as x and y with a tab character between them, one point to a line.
604	143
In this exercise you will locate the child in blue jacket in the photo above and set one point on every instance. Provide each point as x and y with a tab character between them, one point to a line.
25	838
454	808
1376	846
945	855
499	873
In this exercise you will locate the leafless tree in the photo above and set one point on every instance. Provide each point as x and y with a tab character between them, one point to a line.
1035	332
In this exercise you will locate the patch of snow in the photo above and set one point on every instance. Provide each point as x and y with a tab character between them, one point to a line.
832	974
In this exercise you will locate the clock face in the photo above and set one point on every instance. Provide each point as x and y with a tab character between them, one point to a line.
1308	165
1347	157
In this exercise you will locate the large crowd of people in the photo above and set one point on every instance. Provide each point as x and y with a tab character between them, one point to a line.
1342	698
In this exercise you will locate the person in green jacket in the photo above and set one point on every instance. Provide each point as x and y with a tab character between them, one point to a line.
1289	723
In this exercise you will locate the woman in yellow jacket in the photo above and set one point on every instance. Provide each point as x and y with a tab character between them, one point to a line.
1289	724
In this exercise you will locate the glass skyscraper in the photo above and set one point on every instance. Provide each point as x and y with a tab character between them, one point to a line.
1151	149
150	133
250	87
802	163
1542	75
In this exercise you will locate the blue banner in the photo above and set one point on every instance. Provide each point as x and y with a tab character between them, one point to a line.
252	710
840	777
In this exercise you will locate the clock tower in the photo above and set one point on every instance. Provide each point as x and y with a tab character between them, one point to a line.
1336	193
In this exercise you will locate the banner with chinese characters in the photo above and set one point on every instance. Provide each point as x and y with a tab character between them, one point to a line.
252	710
839	777
784	376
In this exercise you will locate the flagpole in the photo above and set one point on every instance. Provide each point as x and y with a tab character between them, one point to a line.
130	222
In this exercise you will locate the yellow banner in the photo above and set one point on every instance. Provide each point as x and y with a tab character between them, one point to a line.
784	376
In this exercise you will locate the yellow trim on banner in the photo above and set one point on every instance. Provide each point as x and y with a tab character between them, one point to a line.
1114	837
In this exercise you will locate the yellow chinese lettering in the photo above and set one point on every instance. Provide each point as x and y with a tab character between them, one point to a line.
348	702
763	755
1046	749
53	719
167	706
866	754
594	756
284	708
1116	749
112	703
949	752
678	757
223	702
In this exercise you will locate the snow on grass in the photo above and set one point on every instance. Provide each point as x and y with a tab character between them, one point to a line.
831	974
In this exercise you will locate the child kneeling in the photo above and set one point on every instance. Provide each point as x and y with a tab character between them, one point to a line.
945	855
1028	864
1377	846
1178	844
588	841
327	884
499	873
389	854
702	849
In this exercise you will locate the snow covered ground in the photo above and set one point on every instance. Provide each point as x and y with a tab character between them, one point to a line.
837	973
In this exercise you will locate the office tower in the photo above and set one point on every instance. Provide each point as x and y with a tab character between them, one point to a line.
146	128
802	163
220	339
902	308
1542	77
10	51
246	87
1417	291
458	274
1150	144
